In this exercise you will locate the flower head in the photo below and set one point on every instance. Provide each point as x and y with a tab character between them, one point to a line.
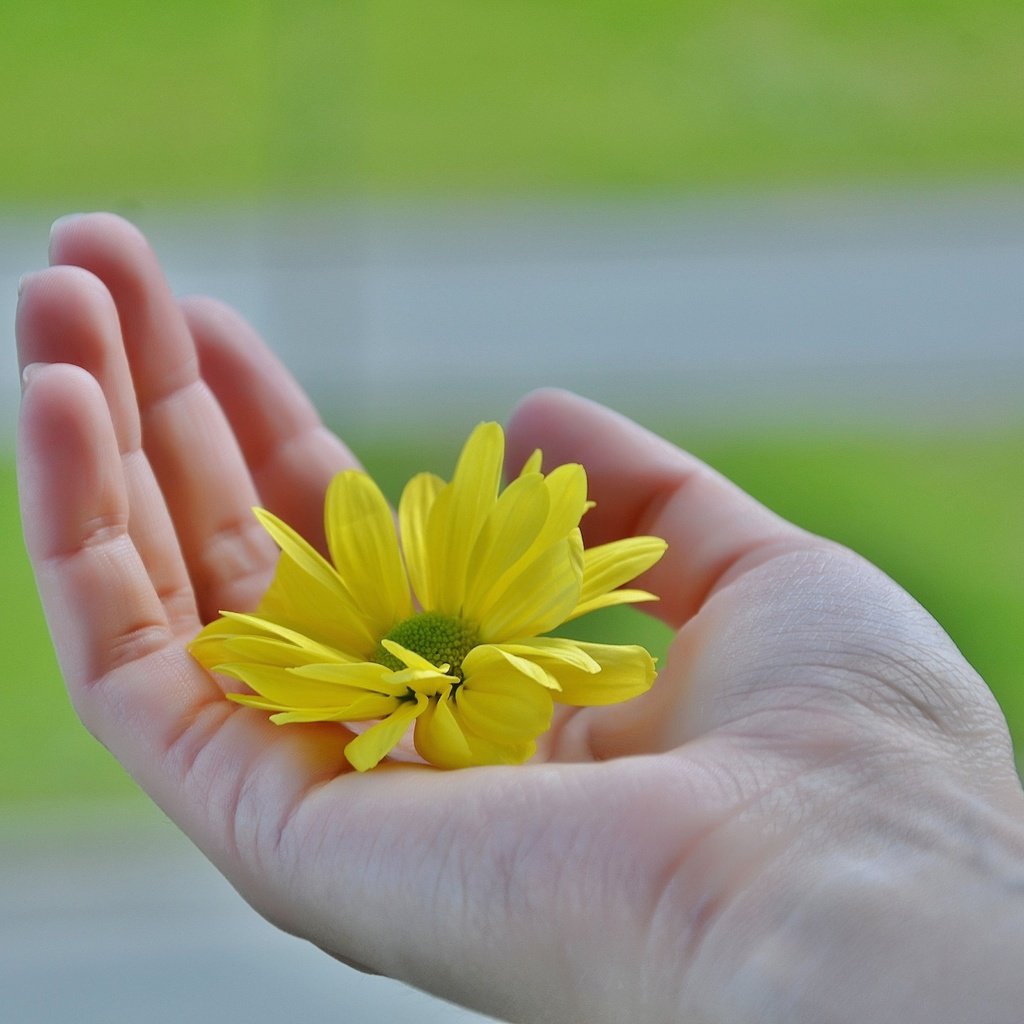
441	622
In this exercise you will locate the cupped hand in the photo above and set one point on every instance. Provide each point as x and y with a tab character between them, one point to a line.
813	815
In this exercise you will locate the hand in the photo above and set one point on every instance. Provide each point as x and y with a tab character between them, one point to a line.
813	816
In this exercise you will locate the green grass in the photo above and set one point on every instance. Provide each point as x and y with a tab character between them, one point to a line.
126	105
943	515
45	754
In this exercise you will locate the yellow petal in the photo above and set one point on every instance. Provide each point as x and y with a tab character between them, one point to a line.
567	491
430	682
217	628
548	650
365	675
614	597
260	650
307	595
539	597
439	739
302	553
290	691
369	749
418	499
364	547
499	704
626	671
533	463
363	710
489	655
458	515
258	625
419	675
211	649
508	534
409	658
608	566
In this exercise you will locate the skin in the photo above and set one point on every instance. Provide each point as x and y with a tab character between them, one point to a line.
813	816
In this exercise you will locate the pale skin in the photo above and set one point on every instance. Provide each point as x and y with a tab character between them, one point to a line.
812	817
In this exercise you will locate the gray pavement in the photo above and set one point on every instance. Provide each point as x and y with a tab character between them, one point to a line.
894	307
108	915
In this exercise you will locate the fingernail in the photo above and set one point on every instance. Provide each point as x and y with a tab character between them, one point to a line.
61	222
30	371
22	281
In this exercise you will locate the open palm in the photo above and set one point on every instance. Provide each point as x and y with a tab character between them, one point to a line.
656	855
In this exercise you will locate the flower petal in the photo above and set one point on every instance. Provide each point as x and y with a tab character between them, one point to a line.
439	738
499	704
483	655
364	547
259	650
290	691
539	597
567	490
546	650
365	675
418	499
364	710
430	682
302	553
410	659
458	514
614	597
369	749
307	595
626	671
533	463
507	535
608	566
259	626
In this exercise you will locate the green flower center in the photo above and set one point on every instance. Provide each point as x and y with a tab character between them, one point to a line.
441	639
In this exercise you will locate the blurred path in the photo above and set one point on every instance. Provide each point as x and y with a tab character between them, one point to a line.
111	917
899	308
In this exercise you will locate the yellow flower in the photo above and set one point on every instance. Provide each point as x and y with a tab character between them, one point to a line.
445	631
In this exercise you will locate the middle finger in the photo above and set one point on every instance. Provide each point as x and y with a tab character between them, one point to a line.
192	448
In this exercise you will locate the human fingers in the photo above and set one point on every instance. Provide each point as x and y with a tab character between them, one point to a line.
103	609
291	454
131	680
187	439
642	484
66	315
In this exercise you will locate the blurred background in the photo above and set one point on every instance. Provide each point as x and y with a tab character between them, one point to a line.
788	234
